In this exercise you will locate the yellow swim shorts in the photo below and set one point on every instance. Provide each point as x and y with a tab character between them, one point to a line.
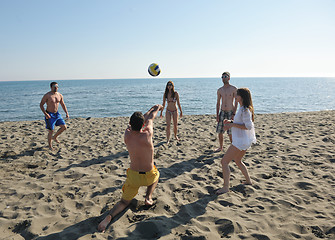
137	179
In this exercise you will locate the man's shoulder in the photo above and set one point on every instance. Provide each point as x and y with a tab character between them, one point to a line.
220	89
225	88
48	94
129	133
140	139
233	87
147	131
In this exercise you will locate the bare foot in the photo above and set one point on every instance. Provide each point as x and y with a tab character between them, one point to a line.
177	138
149	202
55	139
222	190
218	150
102	226
168	142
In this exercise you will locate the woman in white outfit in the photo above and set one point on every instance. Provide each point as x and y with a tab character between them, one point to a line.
243	135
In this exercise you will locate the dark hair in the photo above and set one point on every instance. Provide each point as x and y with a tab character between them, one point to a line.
136	121
226	73
167	90
53	83
245	94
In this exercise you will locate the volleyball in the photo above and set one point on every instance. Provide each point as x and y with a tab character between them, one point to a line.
154	70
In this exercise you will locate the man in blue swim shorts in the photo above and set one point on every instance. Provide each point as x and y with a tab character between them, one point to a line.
52	116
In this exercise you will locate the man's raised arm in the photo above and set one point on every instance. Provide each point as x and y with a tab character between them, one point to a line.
152	113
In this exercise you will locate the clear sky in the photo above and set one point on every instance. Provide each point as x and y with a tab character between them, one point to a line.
91	39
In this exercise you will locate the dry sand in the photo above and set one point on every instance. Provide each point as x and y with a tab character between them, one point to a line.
64	194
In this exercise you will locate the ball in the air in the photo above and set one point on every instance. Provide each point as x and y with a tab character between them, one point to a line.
154	70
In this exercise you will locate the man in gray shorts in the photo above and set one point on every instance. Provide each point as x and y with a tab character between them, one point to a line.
225	107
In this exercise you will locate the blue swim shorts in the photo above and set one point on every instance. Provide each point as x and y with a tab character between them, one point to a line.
54	120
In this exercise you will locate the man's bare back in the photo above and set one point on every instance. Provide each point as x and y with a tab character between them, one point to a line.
140	148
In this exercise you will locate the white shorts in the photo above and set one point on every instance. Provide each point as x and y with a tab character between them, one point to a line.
240	146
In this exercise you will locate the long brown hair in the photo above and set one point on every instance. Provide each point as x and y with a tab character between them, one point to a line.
167	90
245	94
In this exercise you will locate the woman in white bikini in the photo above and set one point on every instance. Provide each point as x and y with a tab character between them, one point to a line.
243	135
172	98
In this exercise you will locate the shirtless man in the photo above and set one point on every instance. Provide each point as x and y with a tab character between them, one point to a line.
52	116
226	98
142	171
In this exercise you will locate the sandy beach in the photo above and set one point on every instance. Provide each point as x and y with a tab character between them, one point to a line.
63	194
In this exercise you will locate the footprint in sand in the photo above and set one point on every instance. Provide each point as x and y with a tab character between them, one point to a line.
260	237
305	185
225	227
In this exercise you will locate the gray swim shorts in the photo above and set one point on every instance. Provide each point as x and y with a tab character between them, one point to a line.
222	116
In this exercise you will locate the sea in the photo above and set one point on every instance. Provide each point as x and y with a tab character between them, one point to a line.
99	98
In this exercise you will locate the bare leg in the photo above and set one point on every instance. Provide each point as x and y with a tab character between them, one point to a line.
220	142
119	207
229	155
60	130
168	124
175	124
148	196
50	138
242	167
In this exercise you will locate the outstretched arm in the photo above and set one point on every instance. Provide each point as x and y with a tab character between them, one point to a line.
246	125
229	124
150	116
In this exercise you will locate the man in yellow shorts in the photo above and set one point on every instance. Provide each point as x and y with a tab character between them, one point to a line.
142	171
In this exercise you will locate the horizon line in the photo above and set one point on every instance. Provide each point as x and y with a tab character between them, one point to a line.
140	78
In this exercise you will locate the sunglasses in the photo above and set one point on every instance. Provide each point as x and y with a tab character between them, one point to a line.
169	84
225	76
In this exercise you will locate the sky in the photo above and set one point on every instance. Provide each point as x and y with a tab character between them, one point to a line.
100	39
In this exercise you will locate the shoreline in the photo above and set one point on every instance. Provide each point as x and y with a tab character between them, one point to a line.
256	114
63	193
